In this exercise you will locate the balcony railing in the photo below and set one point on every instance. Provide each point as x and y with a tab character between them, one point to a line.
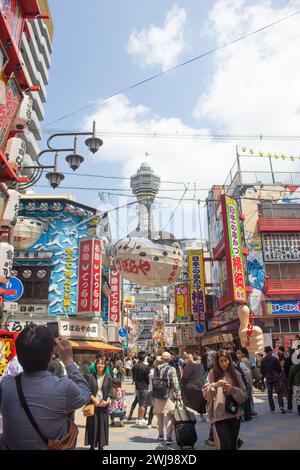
252	178
278	224
282	286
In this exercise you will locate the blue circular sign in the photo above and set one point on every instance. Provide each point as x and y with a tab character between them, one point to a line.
199	328
123	332
13	284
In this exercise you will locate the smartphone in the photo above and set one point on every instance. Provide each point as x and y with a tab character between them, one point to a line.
53	328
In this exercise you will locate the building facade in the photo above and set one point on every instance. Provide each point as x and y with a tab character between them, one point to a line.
26	31
59	270
254	256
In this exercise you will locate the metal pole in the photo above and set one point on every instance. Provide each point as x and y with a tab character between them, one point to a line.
122	303
272	171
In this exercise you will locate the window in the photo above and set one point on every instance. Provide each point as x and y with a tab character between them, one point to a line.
276	328
28	288
281	246
41	290
284	325
294	324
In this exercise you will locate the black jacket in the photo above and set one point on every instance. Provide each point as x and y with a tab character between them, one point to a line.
140	376
270	368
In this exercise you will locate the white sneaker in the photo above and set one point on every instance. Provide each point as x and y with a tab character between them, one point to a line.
149	426
141	422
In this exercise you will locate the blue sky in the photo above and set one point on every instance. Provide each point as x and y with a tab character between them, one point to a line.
248	88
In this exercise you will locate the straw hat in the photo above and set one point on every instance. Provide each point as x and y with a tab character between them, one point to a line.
166	356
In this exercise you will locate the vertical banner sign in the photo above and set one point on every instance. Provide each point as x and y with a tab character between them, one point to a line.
9	109
67	283
197	284
115	296
96	279
233	247
11	11
182	307
89	277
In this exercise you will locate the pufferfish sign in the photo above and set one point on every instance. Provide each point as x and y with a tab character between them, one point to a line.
148	263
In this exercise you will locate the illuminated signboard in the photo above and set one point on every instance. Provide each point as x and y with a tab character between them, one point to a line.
9	109
233	245
182	305
283	307
13	16
115	296
89	278
197	287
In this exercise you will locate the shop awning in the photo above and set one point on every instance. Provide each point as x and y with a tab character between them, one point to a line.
93	346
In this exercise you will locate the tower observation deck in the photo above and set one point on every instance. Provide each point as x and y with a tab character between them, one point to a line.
145	184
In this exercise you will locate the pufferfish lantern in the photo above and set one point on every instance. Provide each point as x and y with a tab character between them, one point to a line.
147	262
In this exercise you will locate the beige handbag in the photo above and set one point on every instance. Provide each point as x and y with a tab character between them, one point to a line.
88	410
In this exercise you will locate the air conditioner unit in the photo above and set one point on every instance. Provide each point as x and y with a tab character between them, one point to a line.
11	209
24	115
6	261
15	152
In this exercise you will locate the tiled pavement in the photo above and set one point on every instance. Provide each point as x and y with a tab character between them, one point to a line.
267	431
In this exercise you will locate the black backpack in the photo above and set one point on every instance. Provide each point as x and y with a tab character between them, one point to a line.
160	386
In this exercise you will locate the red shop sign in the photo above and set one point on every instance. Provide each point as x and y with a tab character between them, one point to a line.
8	111
89	277
115	296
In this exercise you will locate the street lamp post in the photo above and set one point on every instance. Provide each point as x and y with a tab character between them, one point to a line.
73	159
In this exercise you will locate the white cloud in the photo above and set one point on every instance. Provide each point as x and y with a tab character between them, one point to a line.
160	46
259	74
256	79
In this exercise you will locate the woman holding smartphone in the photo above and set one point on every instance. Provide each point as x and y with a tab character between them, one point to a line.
97	426
224	392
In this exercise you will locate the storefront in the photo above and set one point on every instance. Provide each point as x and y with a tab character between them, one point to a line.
217	341
86	350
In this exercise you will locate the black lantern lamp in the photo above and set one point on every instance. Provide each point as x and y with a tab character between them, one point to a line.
54	177
74	160
93	143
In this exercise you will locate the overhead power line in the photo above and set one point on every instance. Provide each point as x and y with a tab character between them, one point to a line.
153	77
182	135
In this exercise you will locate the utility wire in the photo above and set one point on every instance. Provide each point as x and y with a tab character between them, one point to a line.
182	135
180	201
205	201
142	82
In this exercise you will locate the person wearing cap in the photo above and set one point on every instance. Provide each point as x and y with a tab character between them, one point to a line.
164	408
271	369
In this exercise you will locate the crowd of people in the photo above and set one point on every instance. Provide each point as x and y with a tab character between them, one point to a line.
42	388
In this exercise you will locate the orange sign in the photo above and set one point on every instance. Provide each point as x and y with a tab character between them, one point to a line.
182	307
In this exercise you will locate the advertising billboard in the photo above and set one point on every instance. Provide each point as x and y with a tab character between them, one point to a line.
182	304
114	305
89	277
197	283
233	247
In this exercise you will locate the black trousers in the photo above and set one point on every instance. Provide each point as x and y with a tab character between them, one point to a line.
290	399
276	386
227	432
135	402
